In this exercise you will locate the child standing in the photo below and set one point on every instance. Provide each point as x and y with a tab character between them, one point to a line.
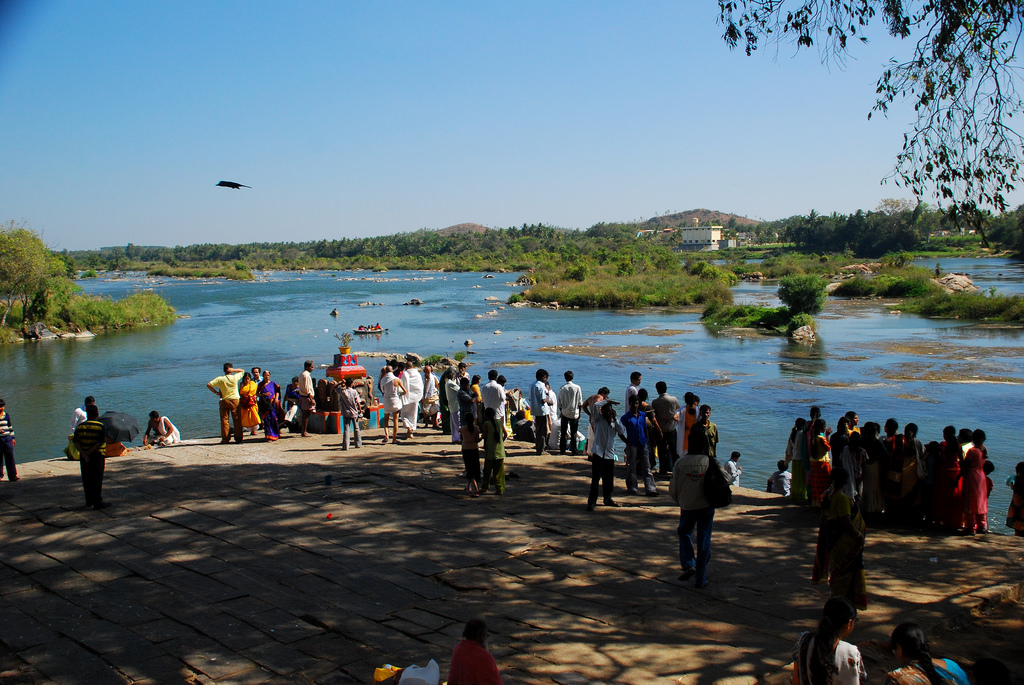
1015	516
471	453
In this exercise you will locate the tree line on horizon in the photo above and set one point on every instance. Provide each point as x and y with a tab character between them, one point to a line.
895	226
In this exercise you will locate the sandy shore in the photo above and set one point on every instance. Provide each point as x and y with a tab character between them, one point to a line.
238	564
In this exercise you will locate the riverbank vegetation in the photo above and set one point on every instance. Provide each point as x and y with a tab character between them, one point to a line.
802	297
644	275
36	288
971	306
892	281
623	265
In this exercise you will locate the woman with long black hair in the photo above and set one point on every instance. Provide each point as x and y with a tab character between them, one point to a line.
823	657
917	666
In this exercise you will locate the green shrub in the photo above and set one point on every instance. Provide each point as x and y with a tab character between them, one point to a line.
578	271
798	321
803	294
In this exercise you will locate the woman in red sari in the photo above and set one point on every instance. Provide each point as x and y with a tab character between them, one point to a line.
948	506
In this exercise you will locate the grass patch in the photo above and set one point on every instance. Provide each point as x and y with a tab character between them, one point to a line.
891	282
231	273
974	306
629	292
102	313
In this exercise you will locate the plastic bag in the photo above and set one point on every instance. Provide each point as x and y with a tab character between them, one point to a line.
421	675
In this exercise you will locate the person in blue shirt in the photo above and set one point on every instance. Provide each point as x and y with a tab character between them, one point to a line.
638	464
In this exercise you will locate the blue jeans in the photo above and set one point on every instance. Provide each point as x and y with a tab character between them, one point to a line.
350	426
638	467
703	520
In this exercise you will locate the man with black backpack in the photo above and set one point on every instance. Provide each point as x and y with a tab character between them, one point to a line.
699	486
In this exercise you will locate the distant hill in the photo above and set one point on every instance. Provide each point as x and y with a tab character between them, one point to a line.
699	217
461	229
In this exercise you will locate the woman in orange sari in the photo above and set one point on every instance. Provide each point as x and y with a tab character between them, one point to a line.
248	404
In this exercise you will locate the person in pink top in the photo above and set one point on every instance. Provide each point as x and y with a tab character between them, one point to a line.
472	664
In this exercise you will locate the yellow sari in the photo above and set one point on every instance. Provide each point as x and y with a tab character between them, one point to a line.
248	404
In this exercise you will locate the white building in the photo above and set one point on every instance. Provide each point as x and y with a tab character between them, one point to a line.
699	238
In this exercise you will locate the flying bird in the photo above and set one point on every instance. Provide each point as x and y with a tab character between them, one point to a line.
231	184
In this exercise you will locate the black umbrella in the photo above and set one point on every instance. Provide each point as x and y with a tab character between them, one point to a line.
121	427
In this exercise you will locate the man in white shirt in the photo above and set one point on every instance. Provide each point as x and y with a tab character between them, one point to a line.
493	395
570	397
79	416
307	403
634	387
540	404
430	404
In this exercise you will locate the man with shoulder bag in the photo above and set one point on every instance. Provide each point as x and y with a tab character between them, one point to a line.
699	486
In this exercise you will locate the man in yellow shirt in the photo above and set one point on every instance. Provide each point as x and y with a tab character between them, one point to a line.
226	387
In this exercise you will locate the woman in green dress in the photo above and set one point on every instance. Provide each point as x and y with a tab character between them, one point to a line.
839	558
494	453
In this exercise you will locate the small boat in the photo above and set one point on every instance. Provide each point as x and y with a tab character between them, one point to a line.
368	331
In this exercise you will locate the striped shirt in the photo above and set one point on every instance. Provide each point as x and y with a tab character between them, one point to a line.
6	427
90	434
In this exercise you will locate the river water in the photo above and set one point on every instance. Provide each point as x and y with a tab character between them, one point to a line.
880	364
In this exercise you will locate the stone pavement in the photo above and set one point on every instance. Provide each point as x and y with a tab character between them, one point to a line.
238	564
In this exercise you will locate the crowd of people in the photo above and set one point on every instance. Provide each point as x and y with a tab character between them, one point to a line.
852	474
893	476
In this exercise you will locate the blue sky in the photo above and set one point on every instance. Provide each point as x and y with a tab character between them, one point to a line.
354	119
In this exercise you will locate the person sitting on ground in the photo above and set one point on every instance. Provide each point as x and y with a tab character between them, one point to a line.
780	482
733	469
472	664
823	657
917	666
164	432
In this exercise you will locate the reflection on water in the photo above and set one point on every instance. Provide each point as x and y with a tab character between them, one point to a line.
756	384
